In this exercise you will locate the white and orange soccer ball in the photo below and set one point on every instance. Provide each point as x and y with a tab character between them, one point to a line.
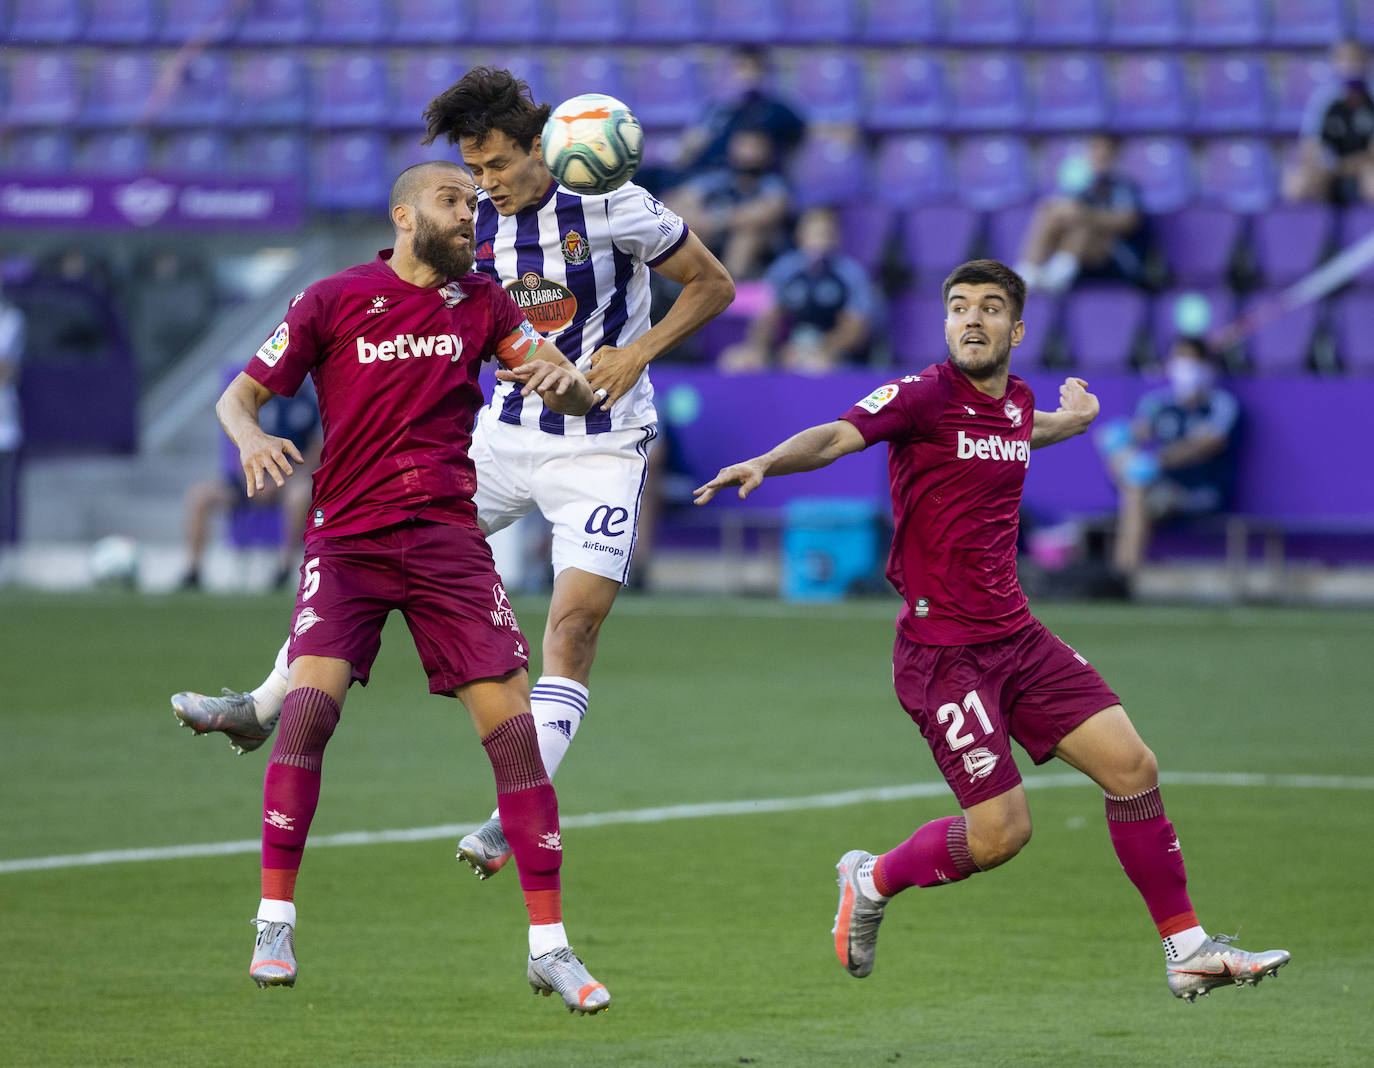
592	143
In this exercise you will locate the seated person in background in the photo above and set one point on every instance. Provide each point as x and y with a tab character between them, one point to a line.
297	418
820	308
1176	457
1335	160
738	211
1095	226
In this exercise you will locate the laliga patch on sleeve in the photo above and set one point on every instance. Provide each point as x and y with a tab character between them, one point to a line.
275	345
879	397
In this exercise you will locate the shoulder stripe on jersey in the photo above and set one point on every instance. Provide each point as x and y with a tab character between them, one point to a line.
682	238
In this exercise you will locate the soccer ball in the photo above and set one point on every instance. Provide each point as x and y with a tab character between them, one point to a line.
593	143
114	561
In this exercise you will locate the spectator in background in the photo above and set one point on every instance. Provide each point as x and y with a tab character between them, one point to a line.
1094	226
1335	159
12	335
1177	457
753	106
295	418
739	210
821	306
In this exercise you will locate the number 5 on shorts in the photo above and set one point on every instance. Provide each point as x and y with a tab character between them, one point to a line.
951	711
310	579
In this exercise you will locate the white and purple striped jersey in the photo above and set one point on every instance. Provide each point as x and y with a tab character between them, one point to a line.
578	266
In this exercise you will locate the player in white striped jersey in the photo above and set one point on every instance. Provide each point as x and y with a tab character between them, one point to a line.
579	267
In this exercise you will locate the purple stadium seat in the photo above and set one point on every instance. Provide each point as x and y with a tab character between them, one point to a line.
989	93
900	22
44	89
907	93
200	96
744	21
936	238
509	22
830	169
1151	93
1289	240
352	21
1240	173
1351	314
533	69
668	89
1163	318
1355	224
1306	23
1226	23
993	172
1296	79
986	22
912	169
403	152
114	152
120	21
417	81
1102	324
592	72
1071	94
1163	168
1232	96
1362	20
578	22
350	89
344	175
429	23
654	22
1067	22
828	86
274	22
867	228
1006	232
193	152
269	89
45	21
121	90
1157	24
1282	346
819	22
1054	152
40	152
270	154
917	318
1197	243
201	21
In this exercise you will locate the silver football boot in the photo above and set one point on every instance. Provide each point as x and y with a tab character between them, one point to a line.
1217	963
274	955
857	919
485	850
234	714
560	970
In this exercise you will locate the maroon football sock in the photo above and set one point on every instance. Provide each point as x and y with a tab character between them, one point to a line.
529	811
1148	849
291	786
936	853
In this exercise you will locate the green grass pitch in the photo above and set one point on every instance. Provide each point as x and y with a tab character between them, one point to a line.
712	932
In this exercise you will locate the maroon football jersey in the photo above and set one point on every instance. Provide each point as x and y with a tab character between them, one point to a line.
395	367
957	460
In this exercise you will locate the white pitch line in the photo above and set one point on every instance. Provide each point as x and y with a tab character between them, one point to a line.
666	813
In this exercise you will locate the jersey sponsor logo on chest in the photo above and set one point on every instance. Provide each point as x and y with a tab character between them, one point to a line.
547	304
408	346
992	447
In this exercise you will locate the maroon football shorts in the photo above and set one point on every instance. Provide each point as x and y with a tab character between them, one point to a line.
971	700
441	579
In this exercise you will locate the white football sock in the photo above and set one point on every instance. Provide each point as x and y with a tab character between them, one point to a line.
268	697
270	910
867	885
546	937
1183	944
558	705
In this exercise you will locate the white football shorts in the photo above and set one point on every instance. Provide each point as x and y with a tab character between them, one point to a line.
588	486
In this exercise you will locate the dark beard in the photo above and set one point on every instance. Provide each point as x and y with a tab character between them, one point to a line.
434	248
986	372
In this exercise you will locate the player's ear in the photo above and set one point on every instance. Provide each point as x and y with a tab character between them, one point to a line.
401	217
537	146
1018	332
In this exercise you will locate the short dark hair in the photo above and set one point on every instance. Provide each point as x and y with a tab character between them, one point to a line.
482	100
408	182
989	273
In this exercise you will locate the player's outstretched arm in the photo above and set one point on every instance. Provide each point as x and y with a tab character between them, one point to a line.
813	448
1076	412
261	455
540	367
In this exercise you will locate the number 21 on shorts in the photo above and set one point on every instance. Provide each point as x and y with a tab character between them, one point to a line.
952	711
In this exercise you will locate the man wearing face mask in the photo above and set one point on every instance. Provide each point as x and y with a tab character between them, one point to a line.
1176	457
1336	158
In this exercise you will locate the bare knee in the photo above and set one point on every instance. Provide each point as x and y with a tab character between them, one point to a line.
571	640
1135	773
994	843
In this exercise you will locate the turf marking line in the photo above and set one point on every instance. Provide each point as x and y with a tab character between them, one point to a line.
666	813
